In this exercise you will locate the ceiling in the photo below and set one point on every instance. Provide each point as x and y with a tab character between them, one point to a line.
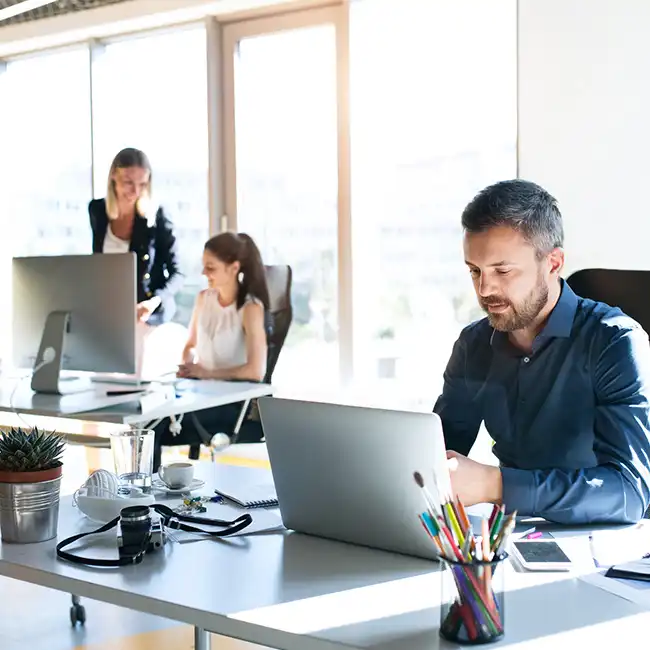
57	8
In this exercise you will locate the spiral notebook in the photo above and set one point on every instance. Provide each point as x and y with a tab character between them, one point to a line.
252	496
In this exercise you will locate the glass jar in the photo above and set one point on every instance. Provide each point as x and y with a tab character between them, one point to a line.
471	607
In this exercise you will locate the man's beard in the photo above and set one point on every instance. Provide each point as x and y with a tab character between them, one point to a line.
519	316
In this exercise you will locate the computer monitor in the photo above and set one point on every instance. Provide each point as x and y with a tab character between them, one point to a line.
74	312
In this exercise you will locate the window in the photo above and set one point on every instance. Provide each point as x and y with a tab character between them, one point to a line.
44	162
149	92
45	135
285	134
433	101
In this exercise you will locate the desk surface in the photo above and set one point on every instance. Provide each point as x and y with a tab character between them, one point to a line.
191	396
297	592
123	409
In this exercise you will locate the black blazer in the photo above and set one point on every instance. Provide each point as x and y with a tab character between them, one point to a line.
158	272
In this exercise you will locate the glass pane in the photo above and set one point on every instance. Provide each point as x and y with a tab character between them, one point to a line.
433	122
150	93
285	125
45	135
45	162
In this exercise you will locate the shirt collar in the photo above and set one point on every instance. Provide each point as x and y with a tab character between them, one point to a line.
560	322
558	325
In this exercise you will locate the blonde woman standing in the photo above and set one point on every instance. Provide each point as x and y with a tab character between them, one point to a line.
128	220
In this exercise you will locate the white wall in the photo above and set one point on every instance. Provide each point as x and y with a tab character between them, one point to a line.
584	122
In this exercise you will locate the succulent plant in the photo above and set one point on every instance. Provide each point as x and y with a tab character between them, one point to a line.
30	451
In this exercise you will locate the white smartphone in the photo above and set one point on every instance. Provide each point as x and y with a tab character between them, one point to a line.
540	555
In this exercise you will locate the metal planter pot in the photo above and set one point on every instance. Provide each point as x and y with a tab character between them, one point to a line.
29	511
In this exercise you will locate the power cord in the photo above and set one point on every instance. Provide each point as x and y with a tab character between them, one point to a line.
49	354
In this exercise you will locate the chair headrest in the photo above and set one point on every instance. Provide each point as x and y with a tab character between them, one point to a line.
278	280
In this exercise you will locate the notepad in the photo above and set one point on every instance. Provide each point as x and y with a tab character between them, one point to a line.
639	570
252	496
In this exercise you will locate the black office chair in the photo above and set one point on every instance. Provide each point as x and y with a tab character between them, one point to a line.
627	290
278	320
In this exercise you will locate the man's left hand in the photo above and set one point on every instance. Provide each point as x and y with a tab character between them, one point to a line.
474	482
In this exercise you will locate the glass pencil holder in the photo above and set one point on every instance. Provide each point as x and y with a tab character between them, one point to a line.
471	607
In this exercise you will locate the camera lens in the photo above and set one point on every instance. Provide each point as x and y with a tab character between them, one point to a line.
135	515
134	530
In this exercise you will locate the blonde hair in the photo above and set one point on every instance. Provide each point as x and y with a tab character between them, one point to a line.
145	205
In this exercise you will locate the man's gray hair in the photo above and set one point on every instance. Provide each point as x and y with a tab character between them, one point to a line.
521	205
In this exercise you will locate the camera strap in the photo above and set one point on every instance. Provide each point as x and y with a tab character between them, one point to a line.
169	519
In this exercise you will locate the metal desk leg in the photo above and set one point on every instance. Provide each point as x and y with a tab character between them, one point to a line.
201	639
242	414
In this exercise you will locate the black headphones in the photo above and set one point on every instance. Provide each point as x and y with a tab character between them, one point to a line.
140	515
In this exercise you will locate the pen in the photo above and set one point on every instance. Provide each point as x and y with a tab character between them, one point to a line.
536	535
432	529
485	535
503	535
494	530
530	531
450	539
463	518
453	523
493	514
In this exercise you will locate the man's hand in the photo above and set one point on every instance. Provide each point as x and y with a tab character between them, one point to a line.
193	370
146	308
474	482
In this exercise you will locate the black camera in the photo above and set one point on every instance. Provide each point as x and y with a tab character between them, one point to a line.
138	532
141	529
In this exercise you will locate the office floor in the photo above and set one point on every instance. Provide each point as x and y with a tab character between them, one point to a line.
37	618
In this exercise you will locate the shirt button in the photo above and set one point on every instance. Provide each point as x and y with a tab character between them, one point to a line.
526	359
146	276
145	257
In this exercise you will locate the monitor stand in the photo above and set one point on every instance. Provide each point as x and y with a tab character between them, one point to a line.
46	376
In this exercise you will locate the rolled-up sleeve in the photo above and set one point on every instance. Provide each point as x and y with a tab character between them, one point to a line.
617	490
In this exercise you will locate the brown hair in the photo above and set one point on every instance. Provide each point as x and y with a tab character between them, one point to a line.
126	158
230	247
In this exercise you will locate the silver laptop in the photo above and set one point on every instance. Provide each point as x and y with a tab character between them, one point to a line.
346	473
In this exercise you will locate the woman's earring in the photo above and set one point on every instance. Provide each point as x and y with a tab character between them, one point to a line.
240	277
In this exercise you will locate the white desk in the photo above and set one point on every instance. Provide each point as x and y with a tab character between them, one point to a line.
191	396
295	592
16	395
124	409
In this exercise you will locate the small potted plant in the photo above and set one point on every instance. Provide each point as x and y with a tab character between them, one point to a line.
30	484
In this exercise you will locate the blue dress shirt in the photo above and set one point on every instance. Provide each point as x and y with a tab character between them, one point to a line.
570	421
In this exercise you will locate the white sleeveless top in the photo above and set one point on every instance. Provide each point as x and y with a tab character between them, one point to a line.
220	340
113	244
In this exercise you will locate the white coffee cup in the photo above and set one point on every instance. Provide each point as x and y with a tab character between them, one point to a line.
176	475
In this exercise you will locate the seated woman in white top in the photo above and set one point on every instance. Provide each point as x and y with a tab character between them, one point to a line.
227	338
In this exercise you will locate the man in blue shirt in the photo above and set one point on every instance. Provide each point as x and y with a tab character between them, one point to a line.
561	382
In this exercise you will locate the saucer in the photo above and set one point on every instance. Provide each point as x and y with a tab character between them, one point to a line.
159	486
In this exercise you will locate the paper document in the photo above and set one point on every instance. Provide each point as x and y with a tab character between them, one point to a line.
610	547
636	591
